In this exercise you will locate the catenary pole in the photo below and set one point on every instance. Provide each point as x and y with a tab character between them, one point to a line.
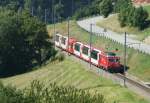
90	42
68	33
125	60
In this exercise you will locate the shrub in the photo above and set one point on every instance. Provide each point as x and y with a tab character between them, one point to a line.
37	92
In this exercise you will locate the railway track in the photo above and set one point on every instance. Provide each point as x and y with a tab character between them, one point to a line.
133	85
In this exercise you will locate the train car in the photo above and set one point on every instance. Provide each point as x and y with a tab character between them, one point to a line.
105	60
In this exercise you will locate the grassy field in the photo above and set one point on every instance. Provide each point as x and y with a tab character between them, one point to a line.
138	62
113	24
147	7
72	73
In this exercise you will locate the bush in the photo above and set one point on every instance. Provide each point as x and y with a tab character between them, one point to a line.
60	56
131	16
23	42
38	93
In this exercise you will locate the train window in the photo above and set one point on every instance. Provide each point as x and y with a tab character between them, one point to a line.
63	40
57	38
77	47
94	54
85	50
110	54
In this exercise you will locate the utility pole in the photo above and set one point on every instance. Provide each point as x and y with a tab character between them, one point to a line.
68	33
32	11
53	18
125	53
91	42
72	8
45	16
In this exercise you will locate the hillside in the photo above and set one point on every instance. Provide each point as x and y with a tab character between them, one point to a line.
138	62
70	72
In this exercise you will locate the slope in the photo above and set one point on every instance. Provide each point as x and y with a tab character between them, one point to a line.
70	72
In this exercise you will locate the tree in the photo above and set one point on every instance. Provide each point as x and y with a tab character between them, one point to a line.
121	4
58	9
106	7
23	42
139	18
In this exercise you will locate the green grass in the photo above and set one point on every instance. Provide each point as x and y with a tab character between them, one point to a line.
147	7
113	24
138	62
72	73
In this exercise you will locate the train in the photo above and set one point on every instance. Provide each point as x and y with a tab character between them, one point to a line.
98	57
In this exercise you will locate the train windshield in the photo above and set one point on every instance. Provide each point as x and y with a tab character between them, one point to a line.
111	54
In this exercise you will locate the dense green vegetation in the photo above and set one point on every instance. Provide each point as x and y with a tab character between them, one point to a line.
106	7
38	93
46	9
58	10
135	59
131	16
71	72
23	42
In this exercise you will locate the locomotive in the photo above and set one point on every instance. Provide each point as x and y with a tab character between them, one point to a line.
99	58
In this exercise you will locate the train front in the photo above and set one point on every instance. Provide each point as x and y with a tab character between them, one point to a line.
113	62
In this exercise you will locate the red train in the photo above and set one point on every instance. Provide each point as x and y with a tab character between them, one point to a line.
100	58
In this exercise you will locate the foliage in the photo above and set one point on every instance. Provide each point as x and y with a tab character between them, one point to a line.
23	42
58	9
88	10
140	17
120	4
10	94
106	7
42	8
39	93
131	16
